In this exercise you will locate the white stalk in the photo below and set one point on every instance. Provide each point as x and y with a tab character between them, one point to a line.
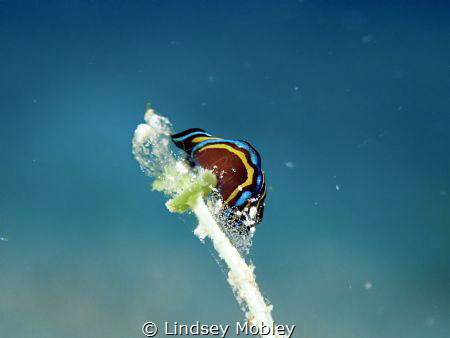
240	276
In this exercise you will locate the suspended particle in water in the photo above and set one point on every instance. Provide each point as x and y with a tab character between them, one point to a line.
368	285
367	38
289	164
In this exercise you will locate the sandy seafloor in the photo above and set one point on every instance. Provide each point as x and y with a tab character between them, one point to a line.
348	103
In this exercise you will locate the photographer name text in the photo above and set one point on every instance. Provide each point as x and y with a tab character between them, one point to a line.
245	329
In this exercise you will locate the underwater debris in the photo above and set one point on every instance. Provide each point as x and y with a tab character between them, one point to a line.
187	186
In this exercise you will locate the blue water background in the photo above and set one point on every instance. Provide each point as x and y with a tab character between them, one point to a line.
348	103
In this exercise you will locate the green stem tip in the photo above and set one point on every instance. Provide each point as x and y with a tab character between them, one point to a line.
184	201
